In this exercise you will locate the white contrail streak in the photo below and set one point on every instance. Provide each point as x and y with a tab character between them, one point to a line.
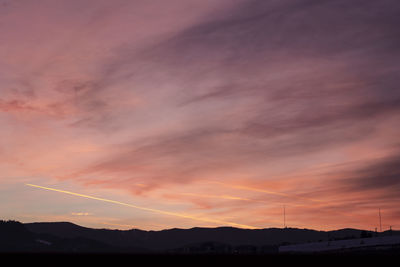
147	209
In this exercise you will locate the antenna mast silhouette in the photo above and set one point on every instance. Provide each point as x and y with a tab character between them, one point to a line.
380	220
284	216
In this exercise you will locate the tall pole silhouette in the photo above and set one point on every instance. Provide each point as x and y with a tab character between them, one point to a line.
284	216
380	220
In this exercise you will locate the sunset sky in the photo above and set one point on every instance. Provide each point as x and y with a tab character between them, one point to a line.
164	114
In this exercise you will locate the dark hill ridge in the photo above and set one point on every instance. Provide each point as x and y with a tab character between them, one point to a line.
65	237
16	238
171	239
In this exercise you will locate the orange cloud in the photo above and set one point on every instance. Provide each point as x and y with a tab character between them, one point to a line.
81	213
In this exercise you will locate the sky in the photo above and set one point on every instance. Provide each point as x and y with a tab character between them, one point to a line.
199	113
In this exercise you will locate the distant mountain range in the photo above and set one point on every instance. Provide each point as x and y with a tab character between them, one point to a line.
71	238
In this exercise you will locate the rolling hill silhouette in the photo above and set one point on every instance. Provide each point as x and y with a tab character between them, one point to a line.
69	237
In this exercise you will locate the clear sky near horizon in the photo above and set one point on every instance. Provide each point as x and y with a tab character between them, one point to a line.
183	113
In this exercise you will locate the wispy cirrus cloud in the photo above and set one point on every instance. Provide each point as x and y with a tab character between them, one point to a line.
154	99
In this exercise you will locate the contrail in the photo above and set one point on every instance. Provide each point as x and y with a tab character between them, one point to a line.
319	204
147	209
237	198
266	191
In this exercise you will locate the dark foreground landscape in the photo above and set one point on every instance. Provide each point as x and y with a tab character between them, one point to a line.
69	244
65	237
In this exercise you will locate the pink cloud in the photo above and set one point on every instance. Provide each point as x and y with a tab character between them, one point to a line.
229	109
